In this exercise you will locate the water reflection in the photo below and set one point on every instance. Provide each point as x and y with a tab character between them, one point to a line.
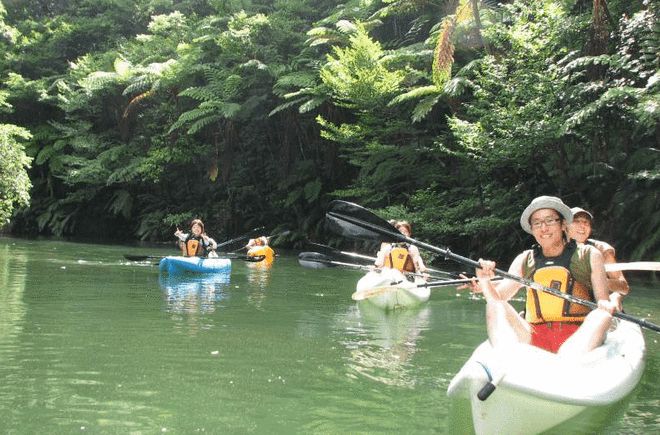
258	278
13	266
187	293
382	344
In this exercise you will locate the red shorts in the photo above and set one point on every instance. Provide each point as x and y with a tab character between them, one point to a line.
551	335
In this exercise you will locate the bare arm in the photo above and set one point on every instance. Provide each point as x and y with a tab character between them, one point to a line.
616	282
417	259
507	288
502	290
385	248
599	282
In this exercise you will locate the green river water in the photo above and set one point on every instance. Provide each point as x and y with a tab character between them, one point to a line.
92	343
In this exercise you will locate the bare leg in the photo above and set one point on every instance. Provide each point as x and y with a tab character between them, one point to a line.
505	326
590	335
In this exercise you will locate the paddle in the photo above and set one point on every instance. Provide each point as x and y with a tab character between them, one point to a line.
375	291
329	250
255	259
278	234
244	236
316	260
352	220
635	265
332	251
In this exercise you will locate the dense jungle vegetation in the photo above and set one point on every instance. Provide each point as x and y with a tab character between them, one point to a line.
124	118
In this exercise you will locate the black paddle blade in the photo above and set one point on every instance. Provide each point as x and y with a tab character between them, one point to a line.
314	260
336	254
325	249
142	257
252	259
354	221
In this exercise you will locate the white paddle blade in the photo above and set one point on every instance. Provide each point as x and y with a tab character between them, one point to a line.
653	266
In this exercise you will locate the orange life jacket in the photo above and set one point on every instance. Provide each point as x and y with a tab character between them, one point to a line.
569	273
399	258
193	248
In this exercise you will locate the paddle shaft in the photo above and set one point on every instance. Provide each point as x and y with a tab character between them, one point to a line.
443	283
267	237
653	266
244	236
366	257
329	262
469	262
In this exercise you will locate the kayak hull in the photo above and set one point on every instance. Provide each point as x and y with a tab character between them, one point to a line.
540	390
398	291
177	264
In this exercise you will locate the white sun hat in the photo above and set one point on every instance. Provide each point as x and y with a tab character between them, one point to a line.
541	202
576	210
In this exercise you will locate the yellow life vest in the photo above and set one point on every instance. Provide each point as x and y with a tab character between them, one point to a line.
266	251
399	258
192	246
544	307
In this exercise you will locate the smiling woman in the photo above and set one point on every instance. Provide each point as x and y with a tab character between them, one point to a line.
580	230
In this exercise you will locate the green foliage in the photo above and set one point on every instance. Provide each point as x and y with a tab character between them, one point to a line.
14	182
357	75
147	113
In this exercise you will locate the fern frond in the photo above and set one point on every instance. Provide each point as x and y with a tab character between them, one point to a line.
424	107
298	79
202	123
287	105
139	85
415	94
346	26
457	86
190	116
311	104
199	94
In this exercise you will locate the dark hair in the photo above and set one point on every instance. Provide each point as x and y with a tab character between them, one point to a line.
198	222
404	224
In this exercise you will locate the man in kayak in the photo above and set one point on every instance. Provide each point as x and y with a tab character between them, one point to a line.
550	322
580	230
196	243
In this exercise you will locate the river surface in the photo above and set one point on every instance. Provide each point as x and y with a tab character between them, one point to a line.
92	343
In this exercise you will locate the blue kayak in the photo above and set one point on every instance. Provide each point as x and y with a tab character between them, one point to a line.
178	264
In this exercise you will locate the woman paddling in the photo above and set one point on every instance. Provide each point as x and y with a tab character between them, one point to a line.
550	322
196	243
401	256
580	230
259	246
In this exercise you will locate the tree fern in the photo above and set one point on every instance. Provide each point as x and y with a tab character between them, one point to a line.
443	58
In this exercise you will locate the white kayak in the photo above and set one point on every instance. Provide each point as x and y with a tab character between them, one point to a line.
539	390
389	289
